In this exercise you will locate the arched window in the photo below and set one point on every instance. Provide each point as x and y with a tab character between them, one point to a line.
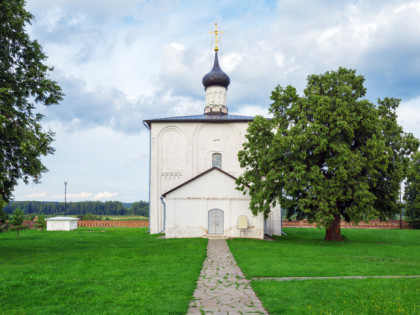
217	160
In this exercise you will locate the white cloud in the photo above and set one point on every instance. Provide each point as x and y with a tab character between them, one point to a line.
249	110
94	160
408	6
73	197
122	61
409	116
279	57
126	62
35	195
230	61
105	195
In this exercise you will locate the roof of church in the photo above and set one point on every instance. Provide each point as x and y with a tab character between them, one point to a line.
195	177
202	118
216	76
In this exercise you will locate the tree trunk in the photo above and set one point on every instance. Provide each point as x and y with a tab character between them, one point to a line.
333	232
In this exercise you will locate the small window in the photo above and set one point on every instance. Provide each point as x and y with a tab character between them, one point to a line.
217	160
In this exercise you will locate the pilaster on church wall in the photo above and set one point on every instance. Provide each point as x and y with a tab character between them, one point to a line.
170	157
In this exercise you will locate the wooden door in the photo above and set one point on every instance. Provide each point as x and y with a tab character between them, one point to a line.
216	222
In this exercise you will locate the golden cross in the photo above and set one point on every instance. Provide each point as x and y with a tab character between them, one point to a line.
216	36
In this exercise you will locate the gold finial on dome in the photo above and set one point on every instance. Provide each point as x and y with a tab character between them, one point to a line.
216	33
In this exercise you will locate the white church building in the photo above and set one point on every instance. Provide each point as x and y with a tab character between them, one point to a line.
193	168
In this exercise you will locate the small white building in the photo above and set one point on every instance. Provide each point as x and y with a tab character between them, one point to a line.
61	224
193	168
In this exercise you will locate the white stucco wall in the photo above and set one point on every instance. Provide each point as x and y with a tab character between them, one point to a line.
216	95
187	208
61	224
273	222
181	151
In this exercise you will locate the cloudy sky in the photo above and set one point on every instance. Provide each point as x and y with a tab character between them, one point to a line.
122	61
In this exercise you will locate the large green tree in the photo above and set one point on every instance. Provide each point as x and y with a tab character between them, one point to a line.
412	192
328	155
24	83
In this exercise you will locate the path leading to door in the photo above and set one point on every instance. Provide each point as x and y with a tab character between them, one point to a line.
221	287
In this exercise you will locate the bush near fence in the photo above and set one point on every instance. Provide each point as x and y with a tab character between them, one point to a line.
29	224
372	224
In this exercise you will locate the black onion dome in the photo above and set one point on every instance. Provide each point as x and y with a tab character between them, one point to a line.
216	76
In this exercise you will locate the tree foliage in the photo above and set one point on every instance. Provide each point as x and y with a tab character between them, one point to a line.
328	155
24	83
399	148
40	222
80	207
140	208
17	221
412	192
4	216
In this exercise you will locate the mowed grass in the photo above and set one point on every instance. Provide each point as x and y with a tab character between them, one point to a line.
97	271
303	252
353	296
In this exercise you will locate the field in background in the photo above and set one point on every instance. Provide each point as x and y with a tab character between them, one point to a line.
303	252
97	271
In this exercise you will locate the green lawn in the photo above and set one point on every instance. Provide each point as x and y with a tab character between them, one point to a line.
303	252
127	271
355	296
97	271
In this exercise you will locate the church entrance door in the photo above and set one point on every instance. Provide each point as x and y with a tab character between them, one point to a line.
216	222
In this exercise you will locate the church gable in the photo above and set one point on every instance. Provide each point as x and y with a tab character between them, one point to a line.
208	205
211	184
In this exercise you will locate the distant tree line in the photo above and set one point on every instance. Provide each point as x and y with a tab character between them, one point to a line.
80	208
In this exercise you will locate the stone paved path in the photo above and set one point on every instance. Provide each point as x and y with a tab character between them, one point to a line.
221	287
